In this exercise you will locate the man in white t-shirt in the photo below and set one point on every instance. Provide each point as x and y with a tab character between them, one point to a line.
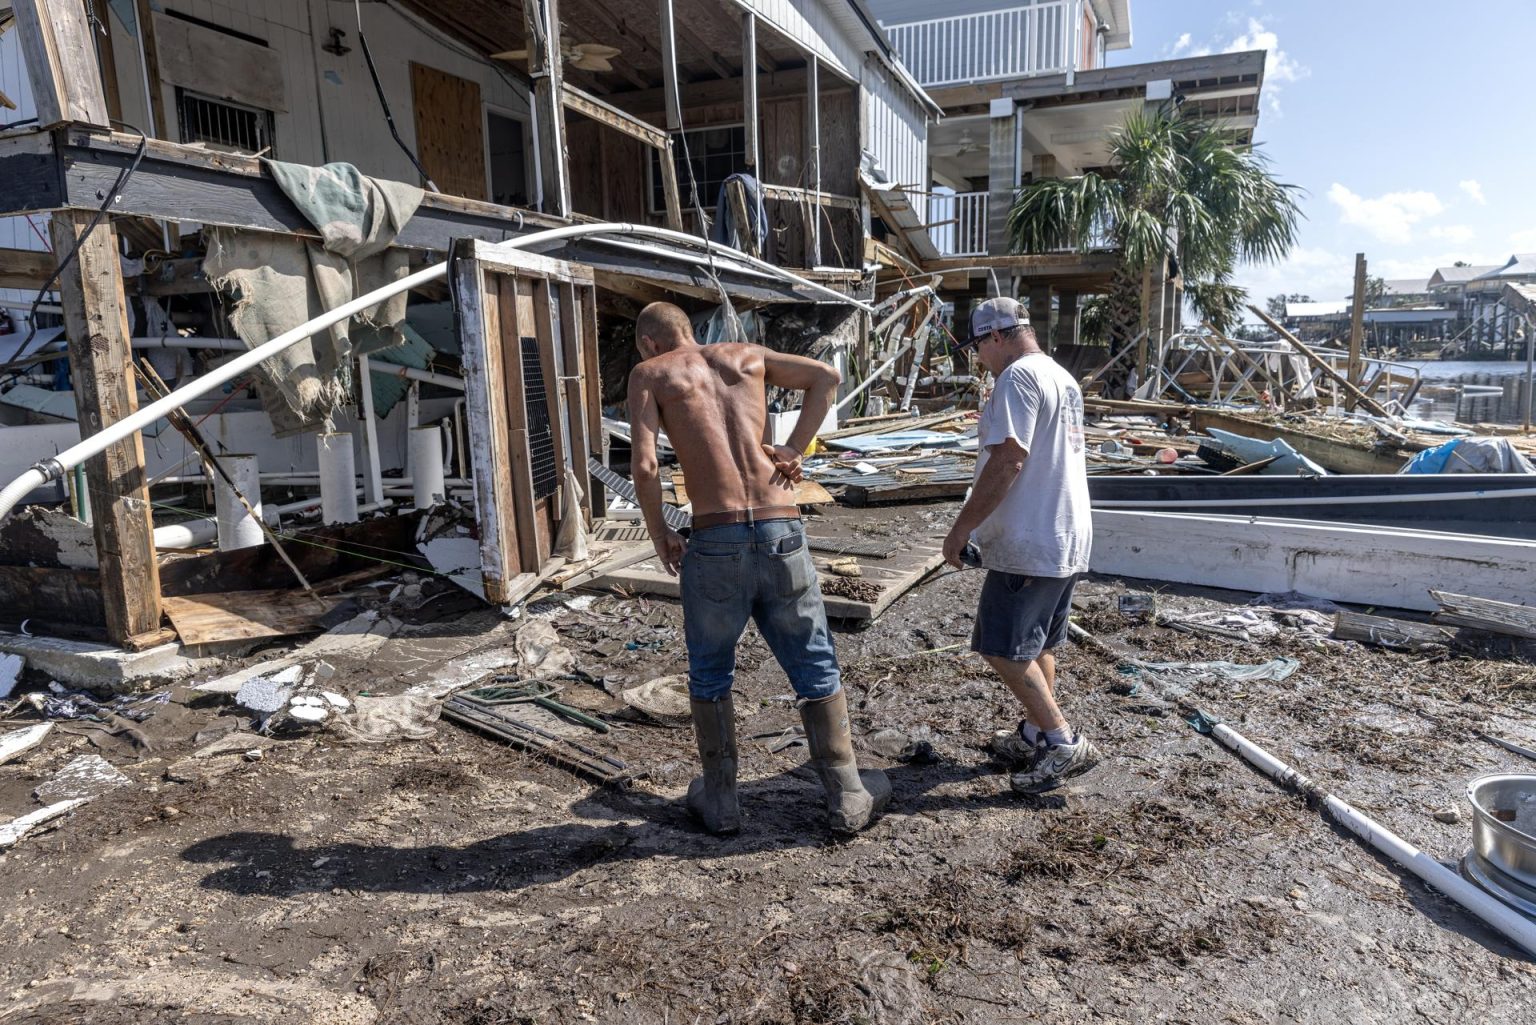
1028	514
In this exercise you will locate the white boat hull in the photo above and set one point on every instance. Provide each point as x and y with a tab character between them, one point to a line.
1360	565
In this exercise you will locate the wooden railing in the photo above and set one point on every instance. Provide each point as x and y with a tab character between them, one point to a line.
1014	43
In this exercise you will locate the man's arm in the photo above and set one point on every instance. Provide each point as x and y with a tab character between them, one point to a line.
819	383
1005	461
644	423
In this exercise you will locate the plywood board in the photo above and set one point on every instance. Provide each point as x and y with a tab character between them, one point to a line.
449	131
895	576
245	615
220	65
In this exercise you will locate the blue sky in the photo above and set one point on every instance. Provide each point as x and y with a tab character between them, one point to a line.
1403	122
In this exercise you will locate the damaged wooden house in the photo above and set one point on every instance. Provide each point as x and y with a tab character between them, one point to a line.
278	275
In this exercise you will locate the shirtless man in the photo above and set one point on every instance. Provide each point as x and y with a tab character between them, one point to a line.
746	555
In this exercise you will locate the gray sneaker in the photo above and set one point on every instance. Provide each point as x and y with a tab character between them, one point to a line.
1055	765
1010	746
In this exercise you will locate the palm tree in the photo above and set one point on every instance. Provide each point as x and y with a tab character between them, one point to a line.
1175	188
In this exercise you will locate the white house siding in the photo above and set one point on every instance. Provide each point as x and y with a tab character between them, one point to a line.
897	133
355	129
16	232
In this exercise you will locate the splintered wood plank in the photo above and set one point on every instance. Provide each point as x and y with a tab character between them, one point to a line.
449	139
1498	617
245	615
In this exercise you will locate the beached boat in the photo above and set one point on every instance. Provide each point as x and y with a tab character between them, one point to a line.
1490	504
1363	565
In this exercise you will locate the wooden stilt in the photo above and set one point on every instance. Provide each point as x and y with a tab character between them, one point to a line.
96	322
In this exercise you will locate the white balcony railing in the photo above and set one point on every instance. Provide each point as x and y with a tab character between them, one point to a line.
958	223
1016	43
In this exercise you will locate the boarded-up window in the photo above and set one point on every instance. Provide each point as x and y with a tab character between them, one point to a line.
450	139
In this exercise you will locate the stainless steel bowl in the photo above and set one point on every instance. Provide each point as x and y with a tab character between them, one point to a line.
1504	824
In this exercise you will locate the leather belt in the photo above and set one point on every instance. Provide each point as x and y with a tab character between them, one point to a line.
765	512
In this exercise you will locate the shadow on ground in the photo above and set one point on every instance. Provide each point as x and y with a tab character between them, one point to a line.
781	812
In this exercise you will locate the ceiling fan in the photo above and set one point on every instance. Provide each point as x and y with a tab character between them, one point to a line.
584	56
965	144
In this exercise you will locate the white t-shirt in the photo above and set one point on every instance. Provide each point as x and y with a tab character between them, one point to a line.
1044	525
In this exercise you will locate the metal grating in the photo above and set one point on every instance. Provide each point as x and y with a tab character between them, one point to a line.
221	125
621	486
541	432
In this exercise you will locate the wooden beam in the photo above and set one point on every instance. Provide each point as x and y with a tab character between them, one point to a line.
1322	365
592	388
102	33
27	269
542	19
60	57
96	323
611	116
791	194
749	92
144	19
1357	327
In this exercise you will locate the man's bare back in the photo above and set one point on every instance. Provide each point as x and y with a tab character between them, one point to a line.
713	402
714	406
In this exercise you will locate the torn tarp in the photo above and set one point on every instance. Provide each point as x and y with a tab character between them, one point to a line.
279	282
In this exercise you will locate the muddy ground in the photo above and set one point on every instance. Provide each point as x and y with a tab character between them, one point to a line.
454	880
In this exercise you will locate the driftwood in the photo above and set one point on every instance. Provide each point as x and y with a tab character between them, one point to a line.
1483	614
1389	633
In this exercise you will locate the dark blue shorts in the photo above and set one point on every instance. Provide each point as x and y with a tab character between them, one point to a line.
1020	616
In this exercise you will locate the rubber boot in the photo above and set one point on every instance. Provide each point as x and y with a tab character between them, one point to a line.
854	798
712	796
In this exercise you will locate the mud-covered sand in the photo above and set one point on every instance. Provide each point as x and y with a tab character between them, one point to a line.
454	880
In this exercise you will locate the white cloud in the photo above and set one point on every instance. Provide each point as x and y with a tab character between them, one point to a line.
1389	217
1473	188
1279	66
1322	274
1524	241
1458	234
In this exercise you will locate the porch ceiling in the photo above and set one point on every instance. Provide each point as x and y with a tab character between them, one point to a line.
708	38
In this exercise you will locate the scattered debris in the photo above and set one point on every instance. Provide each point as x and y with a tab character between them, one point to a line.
665	699
845	567
17	828
526	736
86	776
10	669
854	590
18	742
1450	815
1498	617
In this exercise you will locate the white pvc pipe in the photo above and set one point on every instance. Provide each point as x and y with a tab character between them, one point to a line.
338	471
53	468
237	527
426	466
1514	926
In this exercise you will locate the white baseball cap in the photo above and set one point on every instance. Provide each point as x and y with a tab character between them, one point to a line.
997	314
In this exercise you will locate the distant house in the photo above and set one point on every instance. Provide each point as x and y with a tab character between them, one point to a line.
1496	322
1027	92
1403	292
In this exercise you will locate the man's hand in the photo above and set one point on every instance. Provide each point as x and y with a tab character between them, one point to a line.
670	547
954	544
786	465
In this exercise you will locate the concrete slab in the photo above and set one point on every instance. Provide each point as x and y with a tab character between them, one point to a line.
83	664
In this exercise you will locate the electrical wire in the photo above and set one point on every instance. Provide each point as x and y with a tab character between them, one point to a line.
378	88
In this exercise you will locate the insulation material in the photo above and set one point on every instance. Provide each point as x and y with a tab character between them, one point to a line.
280	282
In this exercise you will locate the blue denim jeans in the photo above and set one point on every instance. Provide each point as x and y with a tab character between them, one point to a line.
762	571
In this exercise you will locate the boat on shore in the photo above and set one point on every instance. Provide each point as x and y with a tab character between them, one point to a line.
1487	504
